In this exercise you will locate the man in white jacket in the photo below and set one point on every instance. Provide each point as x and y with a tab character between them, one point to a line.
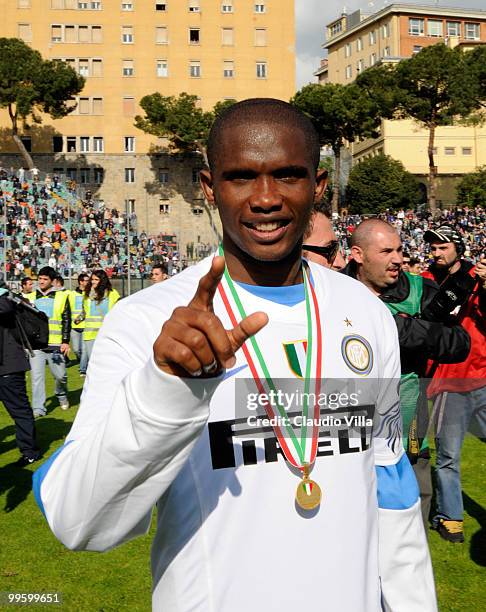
168	415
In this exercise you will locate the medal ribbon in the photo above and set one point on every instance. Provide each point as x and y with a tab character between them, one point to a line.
298	457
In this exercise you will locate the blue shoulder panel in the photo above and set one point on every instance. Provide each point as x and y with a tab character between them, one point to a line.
397	485
41	473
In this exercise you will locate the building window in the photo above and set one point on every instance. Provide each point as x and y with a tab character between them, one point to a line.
57	4
97	67
23	4
97	106
260	7
415	27
129	175
128	106
360	66
130	206
227	7
385	30
453	28
162	68
194	6
434	150
347	50
195	175
127	35
161	6
57	144
195	69
359	44
84	144
260	37
129	144
71	36
261	70
96	34
96	6
84	176
83	106
56	33
72	174
164	207
386	52
417	49
163	176
71	144
25	32
471	31
372	59
98	144
228	69
127	6
27	142
227	36
336	28
82	6
83	67
372	37
194	36
197	208
466	150
449	150
161	35
349	71
99	175
128	68
434	28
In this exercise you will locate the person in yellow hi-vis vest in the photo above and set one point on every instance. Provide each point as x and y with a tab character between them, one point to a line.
55	304
99	299
78	315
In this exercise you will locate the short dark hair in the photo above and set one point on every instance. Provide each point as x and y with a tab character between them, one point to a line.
59	279
270	110
47	271
83	276
24	281
161	266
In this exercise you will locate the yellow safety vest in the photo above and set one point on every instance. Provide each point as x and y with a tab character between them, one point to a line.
53	308
95	316
76	301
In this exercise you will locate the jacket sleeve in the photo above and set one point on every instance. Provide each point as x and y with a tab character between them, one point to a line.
431	340
134	430
66	321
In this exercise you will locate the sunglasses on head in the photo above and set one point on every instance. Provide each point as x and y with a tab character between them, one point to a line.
329	251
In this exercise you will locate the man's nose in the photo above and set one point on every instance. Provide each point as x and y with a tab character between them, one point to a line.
266	195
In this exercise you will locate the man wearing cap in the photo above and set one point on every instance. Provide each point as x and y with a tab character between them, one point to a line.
459	389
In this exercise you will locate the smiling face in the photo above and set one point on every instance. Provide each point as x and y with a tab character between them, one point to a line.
264	185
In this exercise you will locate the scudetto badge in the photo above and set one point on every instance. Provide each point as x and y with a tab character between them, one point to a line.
357	354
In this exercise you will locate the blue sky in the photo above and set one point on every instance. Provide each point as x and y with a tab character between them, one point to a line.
313	15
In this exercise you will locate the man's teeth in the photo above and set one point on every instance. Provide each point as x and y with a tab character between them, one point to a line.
267	227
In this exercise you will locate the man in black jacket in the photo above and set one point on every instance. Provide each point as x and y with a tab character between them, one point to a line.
424	332
13	393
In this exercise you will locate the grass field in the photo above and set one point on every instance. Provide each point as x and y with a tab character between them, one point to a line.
31	559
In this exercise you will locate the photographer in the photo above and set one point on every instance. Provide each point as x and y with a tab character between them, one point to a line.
460	389
13	393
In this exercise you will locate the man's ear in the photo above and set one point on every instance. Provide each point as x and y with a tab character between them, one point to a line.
357	254
206	181
321	184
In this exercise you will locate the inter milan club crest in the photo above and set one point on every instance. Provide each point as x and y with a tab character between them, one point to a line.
296	353
357	354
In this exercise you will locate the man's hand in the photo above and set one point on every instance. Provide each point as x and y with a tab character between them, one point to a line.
64	348
193	341
481	270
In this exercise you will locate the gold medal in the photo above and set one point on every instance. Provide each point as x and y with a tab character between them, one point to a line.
308	494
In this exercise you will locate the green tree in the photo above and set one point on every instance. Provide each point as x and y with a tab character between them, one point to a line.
381	182
30	85
471	189
436	87
341	114
179	120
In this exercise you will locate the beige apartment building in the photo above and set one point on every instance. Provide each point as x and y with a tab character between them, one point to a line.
214	49
357	41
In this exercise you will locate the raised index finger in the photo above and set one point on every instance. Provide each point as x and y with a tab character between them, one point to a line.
203	298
